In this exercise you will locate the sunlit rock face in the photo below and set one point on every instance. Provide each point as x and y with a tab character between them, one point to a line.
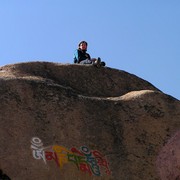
63	121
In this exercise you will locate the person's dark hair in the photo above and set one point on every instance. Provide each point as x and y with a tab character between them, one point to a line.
83	42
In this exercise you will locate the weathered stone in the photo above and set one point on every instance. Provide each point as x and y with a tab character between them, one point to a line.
125	118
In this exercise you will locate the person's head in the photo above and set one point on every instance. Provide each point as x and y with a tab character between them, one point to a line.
83	45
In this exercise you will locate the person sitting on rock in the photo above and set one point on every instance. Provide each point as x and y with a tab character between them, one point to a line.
82	57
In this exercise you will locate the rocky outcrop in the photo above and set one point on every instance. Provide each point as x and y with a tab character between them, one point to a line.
63	121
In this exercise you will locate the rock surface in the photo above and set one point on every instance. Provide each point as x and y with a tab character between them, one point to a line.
63	121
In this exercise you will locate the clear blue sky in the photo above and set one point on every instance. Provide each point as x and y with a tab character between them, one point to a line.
141	37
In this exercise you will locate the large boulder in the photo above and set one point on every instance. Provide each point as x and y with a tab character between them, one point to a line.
63	121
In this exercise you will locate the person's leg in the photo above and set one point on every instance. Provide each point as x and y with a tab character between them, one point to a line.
86	61
96	62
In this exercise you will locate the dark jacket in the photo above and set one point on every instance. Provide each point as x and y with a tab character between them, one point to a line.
80	55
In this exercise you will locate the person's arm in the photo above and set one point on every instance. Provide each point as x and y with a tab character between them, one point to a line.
76	56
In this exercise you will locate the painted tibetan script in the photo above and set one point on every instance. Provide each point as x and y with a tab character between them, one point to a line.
88	161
